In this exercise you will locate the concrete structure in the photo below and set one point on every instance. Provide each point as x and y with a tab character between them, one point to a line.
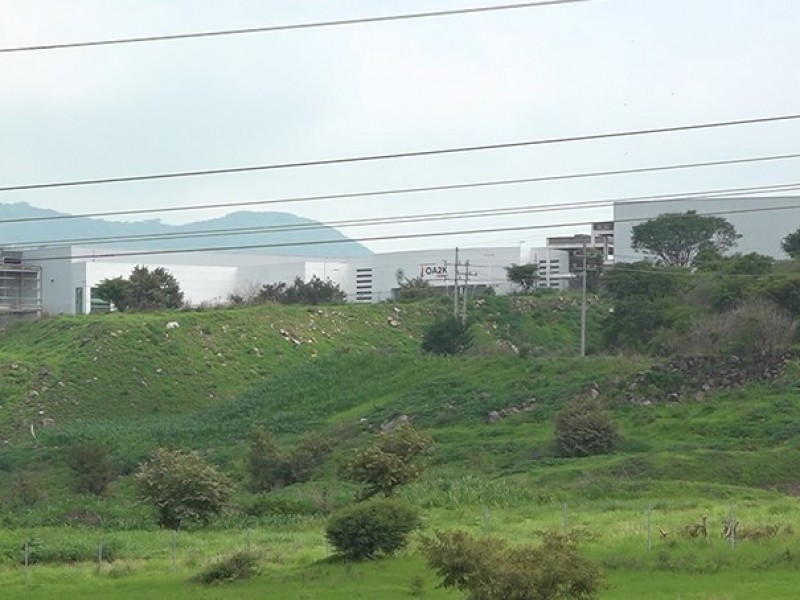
68	274
20	289
762	222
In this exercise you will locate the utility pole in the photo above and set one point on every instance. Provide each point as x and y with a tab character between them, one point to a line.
466	289
585	268
455	288
583	304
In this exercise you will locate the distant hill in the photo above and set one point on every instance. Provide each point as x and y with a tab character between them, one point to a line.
155	235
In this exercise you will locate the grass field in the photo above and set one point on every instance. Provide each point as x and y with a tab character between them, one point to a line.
125	381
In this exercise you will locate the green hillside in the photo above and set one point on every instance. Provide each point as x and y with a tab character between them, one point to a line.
129	382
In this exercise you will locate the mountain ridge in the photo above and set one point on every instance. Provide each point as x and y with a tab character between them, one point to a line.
293	235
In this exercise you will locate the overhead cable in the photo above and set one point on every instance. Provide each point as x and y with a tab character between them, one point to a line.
399	155
289	27
410	190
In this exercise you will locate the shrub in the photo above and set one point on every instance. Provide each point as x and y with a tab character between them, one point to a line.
92	469
447	337
490	569
755	331
181	486
231	567
585	427
264	505
378	527
393	459
271	468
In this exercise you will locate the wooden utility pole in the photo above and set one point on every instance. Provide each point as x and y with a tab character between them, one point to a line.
455	288
583	304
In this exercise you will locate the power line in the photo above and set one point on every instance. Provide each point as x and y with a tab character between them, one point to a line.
412	218
508	229
398	155
410	190
290	27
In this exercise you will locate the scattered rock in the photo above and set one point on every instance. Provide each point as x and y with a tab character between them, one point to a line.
48	422
172	325
392	322
393	424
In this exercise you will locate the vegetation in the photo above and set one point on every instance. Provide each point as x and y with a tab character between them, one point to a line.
235	566
315	291
320	381
375	528
585	427
395	458
182	487
142	290
490	569
448	336
676	239
92	469
525	276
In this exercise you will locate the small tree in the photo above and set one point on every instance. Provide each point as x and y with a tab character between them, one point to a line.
143	290
182	487
92	469
272	468
676	238
791	244
585	427
449	336
525	276
363	531
490	569
393	459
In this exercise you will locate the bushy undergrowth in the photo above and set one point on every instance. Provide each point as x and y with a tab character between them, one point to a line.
232	567
370	529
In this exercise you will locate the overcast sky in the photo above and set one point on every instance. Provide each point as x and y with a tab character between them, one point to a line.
574	69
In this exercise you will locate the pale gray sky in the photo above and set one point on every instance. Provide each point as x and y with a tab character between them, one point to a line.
593	67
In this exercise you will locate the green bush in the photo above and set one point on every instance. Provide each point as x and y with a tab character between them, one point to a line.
92	469
393	459
272	468
377	527
447	337
182	487
490	569
585	427
231	567
265	505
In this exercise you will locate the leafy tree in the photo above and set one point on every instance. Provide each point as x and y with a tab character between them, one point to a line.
143	290
524	276
154	290
676	238
490	569
449	336
393	459
365	530
791	244
91	466
116	290
585	427
646	300
182	487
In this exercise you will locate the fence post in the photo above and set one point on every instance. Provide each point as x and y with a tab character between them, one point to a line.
733	528
174	550
566	519
649	526
99	556
27	563
486	525
249	538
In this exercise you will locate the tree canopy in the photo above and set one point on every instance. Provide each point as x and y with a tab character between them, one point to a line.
675	239
791	244
143	290
524	276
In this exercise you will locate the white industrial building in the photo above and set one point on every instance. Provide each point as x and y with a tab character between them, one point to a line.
762	222
64	276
